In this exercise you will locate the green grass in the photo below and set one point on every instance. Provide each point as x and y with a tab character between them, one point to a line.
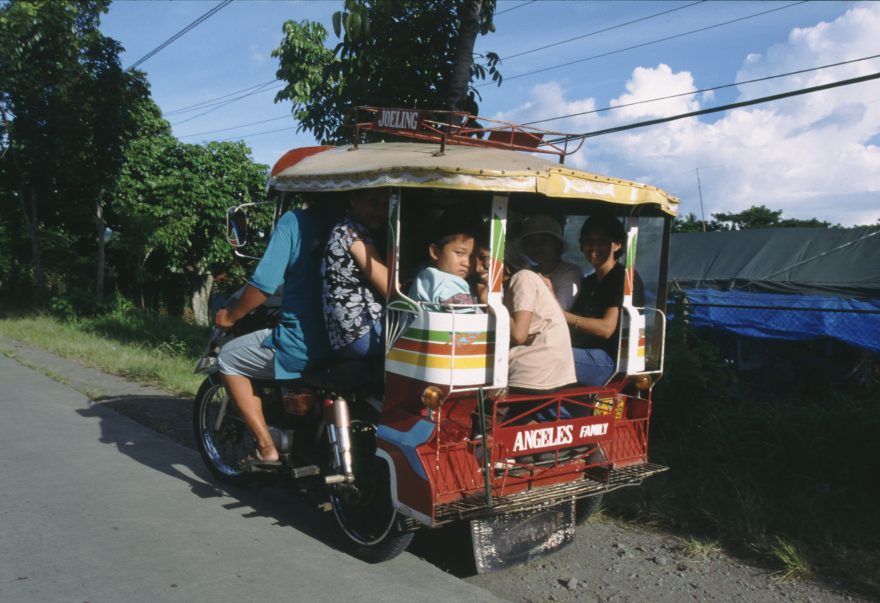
140	346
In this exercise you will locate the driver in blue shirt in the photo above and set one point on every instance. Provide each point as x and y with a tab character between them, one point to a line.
297	342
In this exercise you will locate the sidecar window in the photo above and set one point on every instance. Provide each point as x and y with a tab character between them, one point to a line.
420	210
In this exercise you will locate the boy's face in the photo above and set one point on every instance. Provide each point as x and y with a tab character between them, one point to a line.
454	257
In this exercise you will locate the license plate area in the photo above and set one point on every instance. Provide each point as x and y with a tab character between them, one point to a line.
509	539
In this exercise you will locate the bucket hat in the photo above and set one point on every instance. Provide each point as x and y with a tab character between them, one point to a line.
542	224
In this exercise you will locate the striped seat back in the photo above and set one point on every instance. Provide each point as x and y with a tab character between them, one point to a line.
445	348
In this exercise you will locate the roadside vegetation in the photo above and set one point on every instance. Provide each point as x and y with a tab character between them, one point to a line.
141	346
784	473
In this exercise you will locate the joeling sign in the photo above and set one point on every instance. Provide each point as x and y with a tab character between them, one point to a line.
398	119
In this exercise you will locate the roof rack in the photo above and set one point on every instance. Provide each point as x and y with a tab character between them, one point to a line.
460	128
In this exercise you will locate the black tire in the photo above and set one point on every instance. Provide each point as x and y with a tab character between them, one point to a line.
222	448
585	507
371	528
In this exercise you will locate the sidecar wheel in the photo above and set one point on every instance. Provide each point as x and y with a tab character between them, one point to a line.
370	525
221	448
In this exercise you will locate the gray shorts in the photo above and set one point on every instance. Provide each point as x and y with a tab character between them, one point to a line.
246	356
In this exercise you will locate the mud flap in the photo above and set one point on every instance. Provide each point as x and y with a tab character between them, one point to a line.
510	539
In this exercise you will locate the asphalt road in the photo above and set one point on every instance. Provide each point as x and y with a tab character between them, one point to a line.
95	507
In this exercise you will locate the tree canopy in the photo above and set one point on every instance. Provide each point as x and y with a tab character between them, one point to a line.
64	101
392	53
87	161
757	216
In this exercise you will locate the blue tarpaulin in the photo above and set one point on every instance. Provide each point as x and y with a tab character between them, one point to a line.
785	316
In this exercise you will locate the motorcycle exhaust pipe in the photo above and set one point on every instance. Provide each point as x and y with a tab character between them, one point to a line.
338	421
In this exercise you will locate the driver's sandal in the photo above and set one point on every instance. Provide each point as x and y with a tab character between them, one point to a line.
256	462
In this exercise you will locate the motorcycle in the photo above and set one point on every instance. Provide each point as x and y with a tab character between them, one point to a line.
324	429
430	435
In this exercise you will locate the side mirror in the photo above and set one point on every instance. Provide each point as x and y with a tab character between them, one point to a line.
236	227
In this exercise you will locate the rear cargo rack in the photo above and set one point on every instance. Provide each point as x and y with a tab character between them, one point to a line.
596	481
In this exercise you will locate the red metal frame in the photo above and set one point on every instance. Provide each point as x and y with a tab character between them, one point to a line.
459	128
610	420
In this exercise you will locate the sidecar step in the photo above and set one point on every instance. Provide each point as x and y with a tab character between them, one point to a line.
306	471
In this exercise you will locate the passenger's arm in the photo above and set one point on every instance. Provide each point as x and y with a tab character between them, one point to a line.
519	326
367	258
603	327
251	298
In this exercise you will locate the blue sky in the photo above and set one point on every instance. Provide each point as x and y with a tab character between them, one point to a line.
816	155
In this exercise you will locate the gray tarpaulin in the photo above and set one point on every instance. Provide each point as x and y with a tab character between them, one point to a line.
839	262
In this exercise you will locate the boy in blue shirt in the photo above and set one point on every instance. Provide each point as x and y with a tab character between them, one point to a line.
451	254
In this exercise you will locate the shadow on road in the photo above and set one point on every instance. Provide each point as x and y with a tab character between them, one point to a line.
273	497
270	496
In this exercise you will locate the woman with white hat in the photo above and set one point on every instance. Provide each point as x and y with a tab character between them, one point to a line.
541	240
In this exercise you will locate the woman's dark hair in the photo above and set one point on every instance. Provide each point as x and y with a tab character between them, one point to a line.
606	225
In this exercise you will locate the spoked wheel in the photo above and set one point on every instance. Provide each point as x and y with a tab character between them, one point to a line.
368	520
220	433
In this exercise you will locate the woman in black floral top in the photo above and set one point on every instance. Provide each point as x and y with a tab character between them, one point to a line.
356	278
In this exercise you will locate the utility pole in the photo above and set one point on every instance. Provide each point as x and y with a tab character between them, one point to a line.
700	189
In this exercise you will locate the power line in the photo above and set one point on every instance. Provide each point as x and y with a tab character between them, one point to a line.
603	109
754	101
760	79
253	123
222	104
507	10
210	101
599	31
700	91
643	44
257	134
189	27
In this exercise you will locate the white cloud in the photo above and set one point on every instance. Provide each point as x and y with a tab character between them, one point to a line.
647	83
809	156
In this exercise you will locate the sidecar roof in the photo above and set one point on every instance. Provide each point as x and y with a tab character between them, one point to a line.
421	165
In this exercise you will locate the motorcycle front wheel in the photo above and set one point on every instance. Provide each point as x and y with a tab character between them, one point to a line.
220	433
371	527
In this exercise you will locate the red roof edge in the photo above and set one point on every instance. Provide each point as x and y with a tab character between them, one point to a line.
294	156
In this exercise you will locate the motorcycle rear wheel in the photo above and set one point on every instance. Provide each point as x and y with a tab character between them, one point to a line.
221	448
371	527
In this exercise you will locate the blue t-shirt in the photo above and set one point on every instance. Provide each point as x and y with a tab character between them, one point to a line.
291	258
436	286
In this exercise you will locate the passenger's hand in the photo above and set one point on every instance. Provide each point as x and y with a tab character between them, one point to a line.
482	291
222	319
